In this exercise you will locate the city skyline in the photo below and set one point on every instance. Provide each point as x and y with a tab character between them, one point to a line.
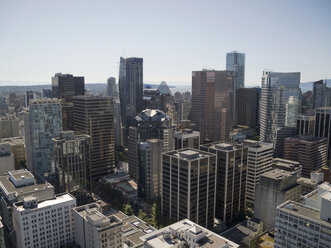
88	39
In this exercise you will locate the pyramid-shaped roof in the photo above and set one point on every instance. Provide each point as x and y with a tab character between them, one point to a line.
163	88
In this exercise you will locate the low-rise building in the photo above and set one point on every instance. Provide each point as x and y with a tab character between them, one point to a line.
186	233
245	233
46	223
14	187
133	229
93	229
305	225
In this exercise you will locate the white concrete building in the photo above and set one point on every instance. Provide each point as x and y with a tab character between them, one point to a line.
7	160
259	161
47	223
305	225
185	232
93	229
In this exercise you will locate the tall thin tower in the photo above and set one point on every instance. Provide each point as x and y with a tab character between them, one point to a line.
131	91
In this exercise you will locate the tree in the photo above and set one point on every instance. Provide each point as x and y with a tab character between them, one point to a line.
142	215
153	219
127	209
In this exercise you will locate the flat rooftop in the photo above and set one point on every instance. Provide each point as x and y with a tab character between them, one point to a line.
9	188
58	199
303	211
21	174
222	146
277	174
189	154
207	239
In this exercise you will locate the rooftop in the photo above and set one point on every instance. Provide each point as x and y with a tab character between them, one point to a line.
277	174
199	236
12	191
133	228
186	134
57	199
189	154
303	211
151	115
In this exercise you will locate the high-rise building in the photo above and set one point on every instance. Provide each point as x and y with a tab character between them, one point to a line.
72	162
148	124
42	122
323	125
292	109
212	103
66	86
47	93
32	218
9	126
275	187
187	138
319	90
186	233
307	224
7	160
94	116
189	186
276	90
93	229
278	141
131	91
17	147
259	161
235	61
149	164
112	87
28	97
305	124
14	187
247	107
118	129
310	152
231	179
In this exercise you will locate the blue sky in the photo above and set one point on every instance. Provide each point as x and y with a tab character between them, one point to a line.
41	37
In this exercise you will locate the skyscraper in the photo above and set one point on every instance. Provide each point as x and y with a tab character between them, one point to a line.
319	92
189	186
131	91
259	162
72	162
66	86
305	124
212	103
235	61
310	152
247	107
277	88
323	125
111	87
149	124
94	116
28	97
42	122
149	164
231	178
